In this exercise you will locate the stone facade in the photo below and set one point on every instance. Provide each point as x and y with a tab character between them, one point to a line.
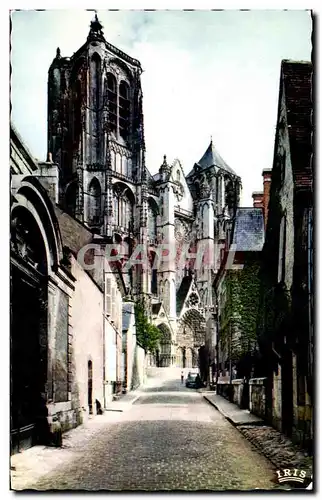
285	328
59	323
96	135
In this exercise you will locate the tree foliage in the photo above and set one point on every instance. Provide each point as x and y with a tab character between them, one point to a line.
147	334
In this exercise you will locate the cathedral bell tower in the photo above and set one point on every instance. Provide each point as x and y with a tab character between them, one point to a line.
215	188
95	133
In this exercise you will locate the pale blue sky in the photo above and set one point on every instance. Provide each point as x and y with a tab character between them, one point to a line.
205	73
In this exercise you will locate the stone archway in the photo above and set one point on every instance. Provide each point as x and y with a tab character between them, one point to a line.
28	330
188	357
191	336
165	346
180	358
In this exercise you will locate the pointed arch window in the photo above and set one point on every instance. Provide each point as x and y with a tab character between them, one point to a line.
95	105
152	223
123	211
124	109
111	96
94	205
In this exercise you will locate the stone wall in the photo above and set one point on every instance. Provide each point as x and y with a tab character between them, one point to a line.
257	396
238	387
87	323
277	400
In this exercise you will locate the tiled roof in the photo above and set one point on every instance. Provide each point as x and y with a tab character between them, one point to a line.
297	81
212	158
249	231
182	292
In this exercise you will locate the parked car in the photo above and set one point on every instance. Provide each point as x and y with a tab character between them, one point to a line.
193	379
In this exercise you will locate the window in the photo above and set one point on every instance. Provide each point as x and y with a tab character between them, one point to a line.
111	97
95	106
124	109
94	206
122	211
178	175
152	224
282	246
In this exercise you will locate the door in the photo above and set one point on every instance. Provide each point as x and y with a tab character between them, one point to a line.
90	387
25	359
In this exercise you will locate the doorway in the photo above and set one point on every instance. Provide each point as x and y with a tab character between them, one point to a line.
90	387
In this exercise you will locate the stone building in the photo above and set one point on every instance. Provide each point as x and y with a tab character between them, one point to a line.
96	135
285	320
61	333
237	290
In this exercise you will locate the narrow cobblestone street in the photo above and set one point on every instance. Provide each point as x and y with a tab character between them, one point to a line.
170	439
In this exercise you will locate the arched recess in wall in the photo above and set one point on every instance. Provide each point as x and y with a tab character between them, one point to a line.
153	261
124	109
189	357
153	212
194	321
166	295
36	251
71	198
165	346
161	288
110	93
95	105
94	202
123	202
180	358
118	161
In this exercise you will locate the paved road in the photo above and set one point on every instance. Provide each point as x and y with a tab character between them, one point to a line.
170	439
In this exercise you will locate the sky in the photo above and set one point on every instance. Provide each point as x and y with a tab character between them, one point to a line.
206	74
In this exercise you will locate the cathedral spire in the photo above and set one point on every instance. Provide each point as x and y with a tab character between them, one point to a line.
96	30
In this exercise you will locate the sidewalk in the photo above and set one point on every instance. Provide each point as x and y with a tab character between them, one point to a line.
30	465
232	412
274	445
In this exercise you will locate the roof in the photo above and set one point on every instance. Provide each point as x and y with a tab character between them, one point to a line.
183	291
297	80
212	158
249	233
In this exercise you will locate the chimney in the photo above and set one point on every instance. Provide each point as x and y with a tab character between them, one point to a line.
257	199
267	175
49	158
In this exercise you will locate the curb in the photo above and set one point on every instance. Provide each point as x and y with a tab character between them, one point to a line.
230	420
252	441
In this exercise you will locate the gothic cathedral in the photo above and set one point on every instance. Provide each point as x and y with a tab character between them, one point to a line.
96	136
